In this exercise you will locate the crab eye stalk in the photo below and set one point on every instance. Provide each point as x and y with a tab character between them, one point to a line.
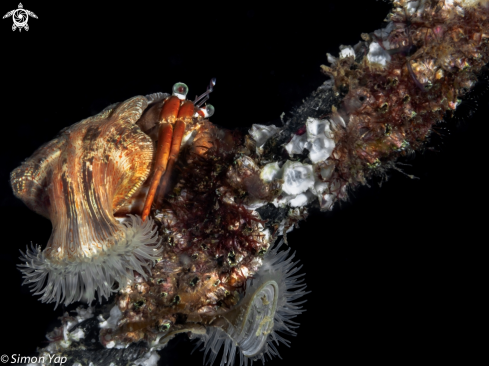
180	90
209	110
206	112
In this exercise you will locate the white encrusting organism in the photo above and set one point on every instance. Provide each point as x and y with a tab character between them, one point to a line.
262	133
63	336
300	184
378	55
318	139
296	145
347	51
270	172
113	320
383	33
415	7
302	199
297	177
149	359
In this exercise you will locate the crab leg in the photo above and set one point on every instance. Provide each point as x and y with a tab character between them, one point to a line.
169	113
185	115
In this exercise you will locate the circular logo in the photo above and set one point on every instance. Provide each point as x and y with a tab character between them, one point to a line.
20	17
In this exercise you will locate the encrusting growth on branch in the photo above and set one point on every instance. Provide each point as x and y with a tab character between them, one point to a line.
226	197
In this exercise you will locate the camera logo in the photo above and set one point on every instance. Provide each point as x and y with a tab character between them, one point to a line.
20	17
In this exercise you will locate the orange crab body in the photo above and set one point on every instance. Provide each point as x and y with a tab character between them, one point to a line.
176	114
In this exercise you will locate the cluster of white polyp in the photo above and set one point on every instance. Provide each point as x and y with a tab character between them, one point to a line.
63	336
303	182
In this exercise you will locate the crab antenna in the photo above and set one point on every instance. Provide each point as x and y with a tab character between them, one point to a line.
202	101
209	90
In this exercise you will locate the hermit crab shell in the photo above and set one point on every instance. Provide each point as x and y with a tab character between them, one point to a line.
78	181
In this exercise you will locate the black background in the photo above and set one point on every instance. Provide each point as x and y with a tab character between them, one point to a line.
394	273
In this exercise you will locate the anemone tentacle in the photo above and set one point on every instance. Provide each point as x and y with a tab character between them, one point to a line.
67	281
266	310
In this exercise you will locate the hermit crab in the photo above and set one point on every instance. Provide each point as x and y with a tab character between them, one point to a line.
214	271
107	184
84	181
